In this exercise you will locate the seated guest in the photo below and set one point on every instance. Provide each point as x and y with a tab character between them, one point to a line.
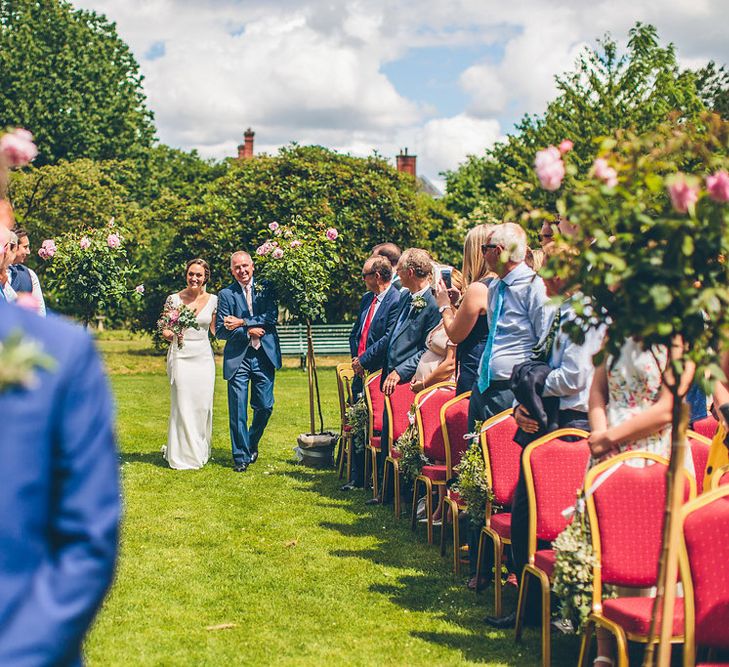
392	252
467	325
23	279
569	372
416	315
519	315
367	340
8	246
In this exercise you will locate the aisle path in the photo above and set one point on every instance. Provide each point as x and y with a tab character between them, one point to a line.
276	566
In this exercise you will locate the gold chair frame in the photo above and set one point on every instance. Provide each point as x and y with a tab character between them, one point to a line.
345	375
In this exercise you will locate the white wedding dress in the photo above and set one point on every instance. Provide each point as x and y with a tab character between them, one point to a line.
191	371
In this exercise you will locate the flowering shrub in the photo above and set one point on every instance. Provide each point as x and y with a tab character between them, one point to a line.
88	272
299	269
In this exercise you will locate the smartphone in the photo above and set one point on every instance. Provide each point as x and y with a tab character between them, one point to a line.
445	274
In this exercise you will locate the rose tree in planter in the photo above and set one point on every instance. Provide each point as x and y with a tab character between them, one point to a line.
650	226
298	260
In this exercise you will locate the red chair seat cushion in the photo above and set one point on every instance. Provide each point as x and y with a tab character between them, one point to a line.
634	614
544	560
376	442
395	454
455	496
501	525
435	473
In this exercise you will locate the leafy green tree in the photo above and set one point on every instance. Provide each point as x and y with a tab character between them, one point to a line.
713	85
364	198
606	91
66	75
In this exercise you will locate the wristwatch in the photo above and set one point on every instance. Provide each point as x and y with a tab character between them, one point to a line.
442	308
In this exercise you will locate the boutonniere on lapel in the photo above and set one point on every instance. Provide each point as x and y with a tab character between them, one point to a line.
258	288
418	303
19	359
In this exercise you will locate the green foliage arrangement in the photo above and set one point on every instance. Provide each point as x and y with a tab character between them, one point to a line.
573	568
357	419
411	459
471	482
66	73
89	272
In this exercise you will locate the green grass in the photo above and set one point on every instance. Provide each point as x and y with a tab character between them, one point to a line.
301	573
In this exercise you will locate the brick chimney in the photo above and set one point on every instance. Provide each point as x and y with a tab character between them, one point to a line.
405	162
245	150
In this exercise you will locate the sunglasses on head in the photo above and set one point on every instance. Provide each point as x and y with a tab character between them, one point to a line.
486	246
543	237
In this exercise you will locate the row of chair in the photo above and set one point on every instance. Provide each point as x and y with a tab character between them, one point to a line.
626	535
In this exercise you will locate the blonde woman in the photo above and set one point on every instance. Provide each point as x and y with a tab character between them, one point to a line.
466	325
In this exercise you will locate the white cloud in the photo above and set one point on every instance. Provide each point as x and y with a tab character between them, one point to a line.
311	70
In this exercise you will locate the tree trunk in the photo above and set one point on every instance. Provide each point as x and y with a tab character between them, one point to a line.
313	379
664	602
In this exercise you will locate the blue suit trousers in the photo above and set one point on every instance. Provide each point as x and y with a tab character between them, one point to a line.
255	373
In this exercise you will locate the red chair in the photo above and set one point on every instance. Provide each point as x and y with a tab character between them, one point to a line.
554	470
704	555
397	406
502	457
706	427
428	404
720	477
700	446
376	407
454	425
625	506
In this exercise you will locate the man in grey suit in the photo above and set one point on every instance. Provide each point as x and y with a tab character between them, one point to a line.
417	316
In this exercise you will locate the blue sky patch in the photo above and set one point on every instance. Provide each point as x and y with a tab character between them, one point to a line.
156	51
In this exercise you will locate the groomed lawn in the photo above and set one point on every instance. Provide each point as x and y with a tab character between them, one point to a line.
274	566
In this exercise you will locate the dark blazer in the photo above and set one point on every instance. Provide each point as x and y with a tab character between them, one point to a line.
373	358
405	348
59	496
527	383
232	301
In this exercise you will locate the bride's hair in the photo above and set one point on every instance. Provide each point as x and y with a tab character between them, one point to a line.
202	263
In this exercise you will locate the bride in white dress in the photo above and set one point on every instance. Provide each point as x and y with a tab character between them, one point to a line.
191	371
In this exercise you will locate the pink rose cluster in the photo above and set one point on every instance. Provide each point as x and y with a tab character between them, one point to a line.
139	289
295	243
47	249
113	241
717	186
550	168
18	148
683	192
332	233
85	243
264	248
602	171
278	253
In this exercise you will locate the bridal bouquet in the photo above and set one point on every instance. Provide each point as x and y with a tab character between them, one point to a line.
177	319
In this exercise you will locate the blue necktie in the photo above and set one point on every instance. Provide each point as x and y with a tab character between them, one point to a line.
484	371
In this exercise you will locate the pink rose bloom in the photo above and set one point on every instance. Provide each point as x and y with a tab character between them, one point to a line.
18	148
550	168
139	289
273	226
28	301
565	146
602	171
274	244
173	315
260	251
332	233
277	254
47	249
683	194
718	186
85	243
295	243
113	241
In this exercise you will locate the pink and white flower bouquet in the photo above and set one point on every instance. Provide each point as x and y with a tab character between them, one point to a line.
177	319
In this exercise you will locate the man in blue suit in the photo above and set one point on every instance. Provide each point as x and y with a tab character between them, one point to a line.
59	496
368	339
246	319
417	315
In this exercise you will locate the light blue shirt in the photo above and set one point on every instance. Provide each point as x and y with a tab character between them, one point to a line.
572	363
525	318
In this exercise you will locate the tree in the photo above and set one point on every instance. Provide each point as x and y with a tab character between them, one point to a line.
67	75
364	198
713	85
649	249
607	91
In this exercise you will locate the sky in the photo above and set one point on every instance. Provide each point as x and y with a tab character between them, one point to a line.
442	78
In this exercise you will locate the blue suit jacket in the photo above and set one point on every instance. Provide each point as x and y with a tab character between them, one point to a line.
405	348
373	358
232	301
59	497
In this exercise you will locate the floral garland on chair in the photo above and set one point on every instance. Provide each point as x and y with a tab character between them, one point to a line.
471	483
357	417
411	459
